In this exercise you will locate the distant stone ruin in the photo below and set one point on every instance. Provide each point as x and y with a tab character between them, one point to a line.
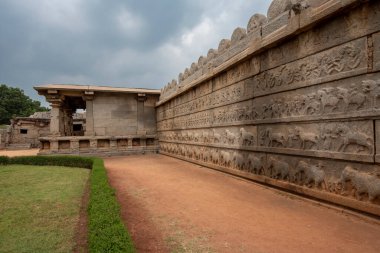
292	101
25	132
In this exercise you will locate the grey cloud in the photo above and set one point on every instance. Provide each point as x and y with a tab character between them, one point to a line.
121	43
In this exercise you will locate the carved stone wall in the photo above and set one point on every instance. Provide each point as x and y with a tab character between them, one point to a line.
292	101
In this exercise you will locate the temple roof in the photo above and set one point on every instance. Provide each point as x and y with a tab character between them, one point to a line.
76	87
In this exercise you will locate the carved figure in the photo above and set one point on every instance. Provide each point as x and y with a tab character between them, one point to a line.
214	156
373	87
225	159
275	138
327	99
306	137
350	137
229	137
314	176
312	106
205	136
279	169
362	183
247	138
238	161
255	164
299	171
255	22
216	137
351	97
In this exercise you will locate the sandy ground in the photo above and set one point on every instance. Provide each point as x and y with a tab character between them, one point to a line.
12	153
171	205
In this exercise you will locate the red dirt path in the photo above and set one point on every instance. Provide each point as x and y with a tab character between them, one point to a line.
170	204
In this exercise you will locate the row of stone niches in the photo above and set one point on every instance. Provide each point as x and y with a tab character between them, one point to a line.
88	144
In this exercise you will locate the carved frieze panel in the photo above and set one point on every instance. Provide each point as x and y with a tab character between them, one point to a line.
196	120
231	94
237	73
238	113
236	137
165	125
352	180
341	140
351	97
339	62
343	28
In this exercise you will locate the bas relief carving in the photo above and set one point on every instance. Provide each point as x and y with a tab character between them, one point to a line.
333	177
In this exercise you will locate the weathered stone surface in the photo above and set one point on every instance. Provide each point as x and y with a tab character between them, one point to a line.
376	51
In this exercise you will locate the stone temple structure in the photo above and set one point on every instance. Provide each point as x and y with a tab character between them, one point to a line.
291	101
118	120
24	132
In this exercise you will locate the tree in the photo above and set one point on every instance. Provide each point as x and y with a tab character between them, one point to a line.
14	103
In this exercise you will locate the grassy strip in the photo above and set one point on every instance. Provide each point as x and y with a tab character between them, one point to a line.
106	230
40	207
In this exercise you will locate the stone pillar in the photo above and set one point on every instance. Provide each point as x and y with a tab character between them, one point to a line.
143	142
93	144
113	144
88	97
141	98
74	145
130	142
55	120
68	121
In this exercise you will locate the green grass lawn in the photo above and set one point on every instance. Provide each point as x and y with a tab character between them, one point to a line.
39	207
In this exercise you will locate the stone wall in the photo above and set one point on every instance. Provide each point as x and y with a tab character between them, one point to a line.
123	114
27	131
292	101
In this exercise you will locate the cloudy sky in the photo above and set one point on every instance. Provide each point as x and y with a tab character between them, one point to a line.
122	43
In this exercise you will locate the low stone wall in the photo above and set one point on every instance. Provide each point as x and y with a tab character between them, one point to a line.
293	102
99	145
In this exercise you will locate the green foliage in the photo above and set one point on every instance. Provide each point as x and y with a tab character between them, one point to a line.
106	230
13	102
4	160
